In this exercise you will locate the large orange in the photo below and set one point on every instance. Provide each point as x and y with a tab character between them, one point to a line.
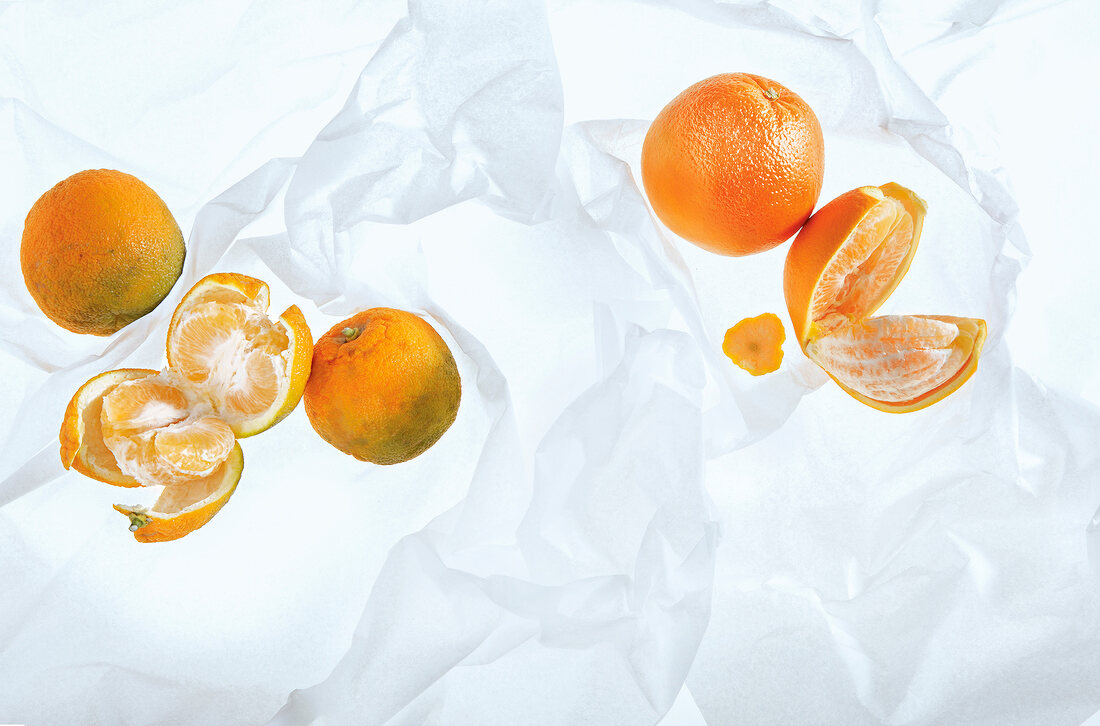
840	269
232	372
734	163
383	387
100	249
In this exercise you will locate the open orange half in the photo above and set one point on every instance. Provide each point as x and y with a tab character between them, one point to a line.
840	269
232	372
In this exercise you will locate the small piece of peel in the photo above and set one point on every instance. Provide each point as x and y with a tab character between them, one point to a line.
756	344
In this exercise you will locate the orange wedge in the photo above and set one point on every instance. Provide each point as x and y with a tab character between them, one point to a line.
840	269
232	372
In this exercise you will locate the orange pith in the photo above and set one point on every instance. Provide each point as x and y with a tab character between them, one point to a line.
756	344
842	266
232	372
734	163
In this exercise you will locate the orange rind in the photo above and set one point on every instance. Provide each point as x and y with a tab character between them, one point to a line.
180	510
843	265
756	344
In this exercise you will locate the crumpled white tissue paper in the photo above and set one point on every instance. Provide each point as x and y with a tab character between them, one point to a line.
620	525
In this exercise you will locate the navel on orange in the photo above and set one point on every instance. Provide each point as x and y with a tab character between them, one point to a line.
100	249
232	372
840	269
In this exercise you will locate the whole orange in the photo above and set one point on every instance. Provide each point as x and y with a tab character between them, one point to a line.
100	249
734	163
383	386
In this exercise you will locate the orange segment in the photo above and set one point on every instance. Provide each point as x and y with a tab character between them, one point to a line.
756	344
135	406
182	509
82	446
896	359
843	265
207	342
865	265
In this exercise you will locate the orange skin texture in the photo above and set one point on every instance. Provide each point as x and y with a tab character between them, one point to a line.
756	344
100	250
975	330
730	168
386	395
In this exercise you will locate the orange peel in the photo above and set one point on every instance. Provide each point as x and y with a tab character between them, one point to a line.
756	344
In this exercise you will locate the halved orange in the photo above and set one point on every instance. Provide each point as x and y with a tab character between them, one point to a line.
840	269
232	372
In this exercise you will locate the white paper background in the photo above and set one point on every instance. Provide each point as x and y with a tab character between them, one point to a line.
620	522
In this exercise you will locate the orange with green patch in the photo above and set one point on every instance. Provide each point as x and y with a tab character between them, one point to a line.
383	386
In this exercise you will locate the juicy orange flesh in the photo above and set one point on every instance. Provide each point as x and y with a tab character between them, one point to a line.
863	266
893	358
173	500
96	452
154	436
233	355
756	344
197	447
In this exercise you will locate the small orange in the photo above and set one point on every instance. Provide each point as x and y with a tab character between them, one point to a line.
734	163
383	387
232	372
756	344
840	269
100	249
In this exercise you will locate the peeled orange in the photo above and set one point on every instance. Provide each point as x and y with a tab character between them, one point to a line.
840	269
232	372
